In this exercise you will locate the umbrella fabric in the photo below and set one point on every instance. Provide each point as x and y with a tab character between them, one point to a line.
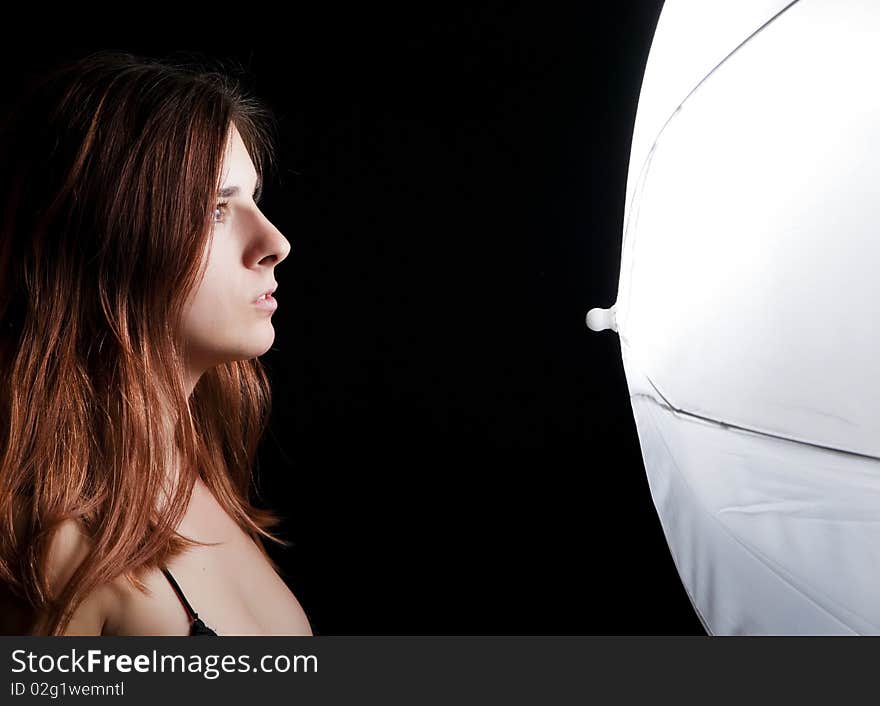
746	312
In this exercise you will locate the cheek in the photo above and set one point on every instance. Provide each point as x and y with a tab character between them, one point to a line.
212	303
219	324
220	273
206	303
218	305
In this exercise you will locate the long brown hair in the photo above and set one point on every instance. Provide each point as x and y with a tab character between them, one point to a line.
108	175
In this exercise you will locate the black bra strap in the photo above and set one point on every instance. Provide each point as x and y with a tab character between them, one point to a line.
189	611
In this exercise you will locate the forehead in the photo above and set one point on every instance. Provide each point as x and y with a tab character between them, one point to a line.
238	169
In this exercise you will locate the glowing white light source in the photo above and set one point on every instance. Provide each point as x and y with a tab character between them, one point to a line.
747	304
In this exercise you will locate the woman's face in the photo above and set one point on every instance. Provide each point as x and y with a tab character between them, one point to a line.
222	321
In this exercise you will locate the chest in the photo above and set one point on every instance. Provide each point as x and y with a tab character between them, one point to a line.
229	583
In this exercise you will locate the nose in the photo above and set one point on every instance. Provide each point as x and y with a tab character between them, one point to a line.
273	246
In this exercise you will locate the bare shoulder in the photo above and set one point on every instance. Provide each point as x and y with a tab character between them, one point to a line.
100	608
70	545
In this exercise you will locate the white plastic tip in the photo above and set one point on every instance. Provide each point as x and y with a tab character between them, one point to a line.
601	319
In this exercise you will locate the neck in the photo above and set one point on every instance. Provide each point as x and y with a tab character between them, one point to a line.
172	458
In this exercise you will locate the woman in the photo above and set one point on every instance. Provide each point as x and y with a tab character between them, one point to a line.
134	261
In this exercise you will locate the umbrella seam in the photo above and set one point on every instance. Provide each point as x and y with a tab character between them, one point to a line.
749	430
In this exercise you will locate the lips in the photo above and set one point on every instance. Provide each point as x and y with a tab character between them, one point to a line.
266	293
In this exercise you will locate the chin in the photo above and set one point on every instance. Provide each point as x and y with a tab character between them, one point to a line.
219	351
244	353
258	345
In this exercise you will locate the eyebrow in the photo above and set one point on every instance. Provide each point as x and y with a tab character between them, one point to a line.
230	191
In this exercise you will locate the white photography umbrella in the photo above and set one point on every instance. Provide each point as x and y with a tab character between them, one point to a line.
748	308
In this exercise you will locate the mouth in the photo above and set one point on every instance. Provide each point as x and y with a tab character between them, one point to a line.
267	293
267	303
266	300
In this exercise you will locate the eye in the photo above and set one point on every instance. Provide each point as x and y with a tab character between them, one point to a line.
219	210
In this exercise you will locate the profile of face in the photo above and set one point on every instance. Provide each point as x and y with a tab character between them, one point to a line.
222	320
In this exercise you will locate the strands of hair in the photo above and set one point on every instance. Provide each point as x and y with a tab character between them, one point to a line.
110	167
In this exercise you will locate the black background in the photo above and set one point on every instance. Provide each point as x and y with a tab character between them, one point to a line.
453	450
